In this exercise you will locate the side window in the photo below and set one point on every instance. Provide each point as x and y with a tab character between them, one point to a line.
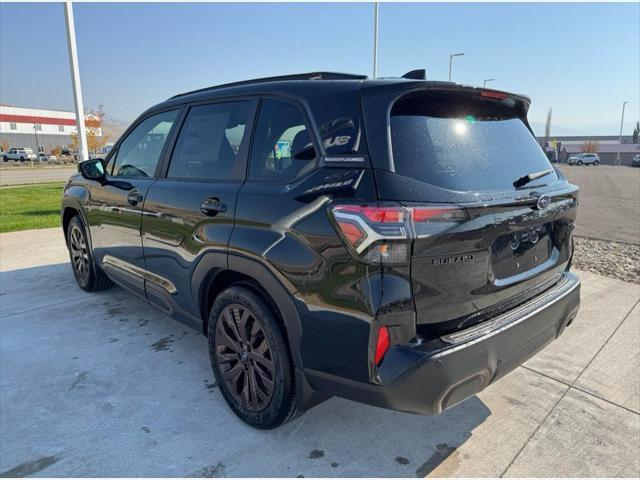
209	141
282	147
139	153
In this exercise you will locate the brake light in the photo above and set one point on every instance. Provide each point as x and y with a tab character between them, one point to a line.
378	234
423	214
377	214
493	94
383	234
382	345
352	233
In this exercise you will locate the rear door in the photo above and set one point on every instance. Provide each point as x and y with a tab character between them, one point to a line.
485	236
190	209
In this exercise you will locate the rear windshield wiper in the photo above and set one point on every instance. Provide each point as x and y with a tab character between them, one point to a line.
522	181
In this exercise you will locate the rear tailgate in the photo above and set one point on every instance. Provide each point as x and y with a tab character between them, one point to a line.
482	245
493	259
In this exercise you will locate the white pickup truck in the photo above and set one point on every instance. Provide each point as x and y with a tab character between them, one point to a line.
21	154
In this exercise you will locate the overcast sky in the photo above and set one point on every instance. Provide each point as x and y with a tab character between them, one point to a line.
581	59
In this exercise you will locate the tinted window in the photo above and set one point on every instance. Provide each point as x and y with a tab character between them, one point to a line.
209	141
338	119
139	153
463	144
282	147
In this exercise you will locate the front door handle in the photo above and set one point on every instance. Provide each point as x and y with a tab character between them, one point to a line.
134	197
212	206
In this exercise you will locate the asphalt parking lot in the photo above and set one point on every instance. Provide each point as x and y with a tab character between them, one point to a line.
105	385
27	174
609	206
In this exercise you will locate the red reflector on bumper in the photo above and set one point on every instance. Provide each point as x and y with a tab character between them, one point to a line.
383	344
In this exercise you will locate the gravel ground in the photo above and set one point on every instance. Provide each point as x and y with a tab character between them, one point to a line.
608	258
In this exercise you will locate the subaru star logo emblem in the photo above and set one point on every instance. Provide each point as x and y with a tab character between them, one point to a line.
543	202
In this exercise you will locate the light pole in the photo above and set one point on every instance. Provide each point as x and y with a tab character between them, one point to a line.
487	80
451	61
375	39
75	80
618	160
35	132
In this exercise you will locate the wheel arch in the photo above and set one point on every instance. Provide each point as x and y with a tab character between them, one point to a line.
67	214
213	275
215	272
72	200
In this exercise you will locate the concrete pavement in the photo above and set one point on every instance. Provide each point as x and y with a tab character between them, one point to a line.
104	385
30	175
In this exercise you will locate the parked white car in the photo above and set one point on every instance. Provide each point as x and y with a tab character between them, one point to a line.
43	157
584	159
19	154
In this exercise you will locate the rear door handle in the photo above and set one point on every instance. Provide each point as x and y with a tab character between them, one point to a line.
134	197
212	206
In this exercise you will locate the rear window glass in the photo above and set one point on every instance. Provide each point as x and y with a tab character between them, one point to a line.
462	143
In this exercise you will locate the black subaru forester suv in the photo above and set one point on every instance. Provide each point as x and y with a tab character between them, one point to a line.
398	242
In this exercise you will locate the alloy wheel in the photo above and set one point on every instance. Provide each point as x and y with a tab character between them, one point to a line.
79	254
244	357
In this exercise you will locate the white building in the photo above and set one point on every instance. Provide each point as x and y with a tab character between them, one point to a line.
41	130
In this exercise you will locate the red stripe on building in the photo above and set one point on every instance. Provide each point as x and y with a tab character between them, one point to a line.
4	117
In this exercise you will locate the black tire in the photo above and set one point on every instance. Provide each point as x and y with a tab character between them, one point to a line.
579	163
88	276
596	163
5	158
280	407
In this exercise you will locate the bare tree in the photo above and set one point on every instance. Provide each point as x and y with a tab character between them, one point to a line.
590	146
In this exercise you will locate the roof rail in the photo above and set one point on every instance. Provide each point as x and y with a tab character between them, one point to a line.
297	76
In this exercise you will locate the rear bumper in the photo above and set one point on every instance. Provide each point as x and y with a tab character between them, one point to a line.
430	377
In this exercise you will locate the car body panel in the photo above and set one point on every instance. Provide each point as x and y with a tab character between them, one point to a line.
283	237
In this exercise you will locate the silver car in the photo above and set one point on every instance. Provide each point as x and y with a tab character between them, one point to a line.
584	159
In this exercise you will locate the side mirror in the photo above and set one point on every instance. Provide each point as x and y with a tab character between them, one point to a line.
92	170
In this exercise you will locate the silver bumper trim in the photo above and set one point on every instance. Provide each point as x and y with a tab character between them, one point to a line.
519	314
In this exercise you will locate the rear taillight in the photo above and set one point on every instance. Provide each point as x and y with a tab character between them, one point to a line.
432	220
383	234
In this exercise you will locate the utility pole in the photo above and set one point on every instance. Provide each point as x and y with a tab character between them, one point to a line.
451	61
618	159
375	40
75	78
487	80
35	132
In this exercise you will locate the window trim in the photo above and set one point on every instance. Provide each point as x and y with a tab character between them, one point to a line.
243	152
309	124
146	115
